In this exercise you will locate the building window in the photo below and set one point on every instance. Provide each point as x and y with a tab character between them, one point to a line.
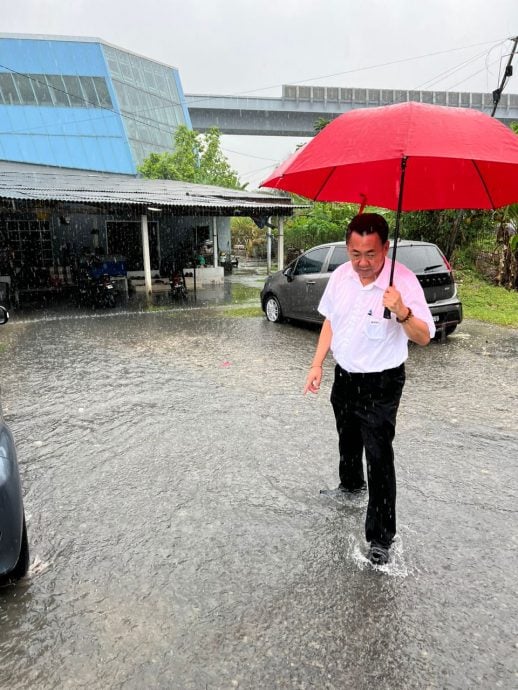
42	91
103	94
89	91
54	90
73	88
31	243
25	89
8	89
57	89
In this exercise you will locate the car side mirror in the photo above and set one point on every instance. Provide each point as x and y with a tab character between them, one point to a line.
4	315
288	272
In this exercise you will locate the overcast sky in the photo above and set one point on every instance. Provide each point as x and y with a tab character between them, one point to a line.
253	47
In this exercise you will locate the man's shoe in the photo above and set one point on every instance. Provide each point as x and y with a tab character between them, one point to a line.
378	555
342	491
357	490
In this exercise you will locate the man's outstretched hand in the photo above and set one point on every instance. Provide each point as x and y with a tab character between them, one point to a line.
313	380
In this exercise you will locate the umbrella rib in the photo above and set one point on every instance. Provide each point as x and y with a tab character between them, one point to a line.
324	182
484	184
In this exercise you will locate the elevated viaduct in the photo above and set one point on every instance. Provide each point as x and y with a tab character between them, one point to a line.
299	107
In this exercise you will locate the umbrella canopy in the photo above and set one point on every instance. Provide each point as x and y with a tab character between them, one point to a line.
454	158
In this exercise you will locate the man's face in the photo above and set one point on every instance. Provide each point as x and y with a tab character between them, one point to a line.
367	254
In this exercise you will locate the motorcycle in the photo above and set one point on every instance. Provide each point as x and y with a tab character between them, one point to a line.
178	289
14	545
95	292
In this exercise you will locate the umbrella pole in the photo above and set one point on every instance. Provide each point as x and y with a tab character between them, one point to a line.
386	313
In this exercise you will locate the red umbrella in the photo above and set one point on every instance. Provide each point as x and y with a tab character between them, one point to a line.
407	157
455	158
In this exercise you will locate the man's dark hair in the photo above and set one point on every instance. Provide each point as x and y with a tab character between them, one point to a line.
367	224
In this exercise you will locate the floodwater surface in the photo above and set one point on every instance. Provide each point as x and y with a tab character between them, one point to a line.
171	470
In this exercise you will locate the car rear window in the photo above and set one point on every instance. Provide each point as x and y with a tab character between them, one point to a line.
338	257
420	258
312	261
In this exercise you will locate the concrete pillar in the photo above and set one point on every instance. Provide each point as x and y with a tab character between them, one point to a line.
280	244
215	248
268	247
145	255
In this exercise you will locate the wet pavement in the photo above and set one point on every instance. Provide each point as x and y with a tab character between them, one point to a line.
172	468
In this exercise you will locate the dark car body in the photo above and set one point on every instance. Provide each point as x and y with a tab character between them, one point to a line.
14	549
295	292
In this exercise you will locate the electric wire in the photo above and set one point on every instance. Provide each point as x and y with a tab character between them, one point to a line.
473	74
378	66
448	72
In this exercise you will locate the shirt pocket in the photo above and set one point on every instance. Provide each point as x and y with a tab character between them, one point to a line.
376	329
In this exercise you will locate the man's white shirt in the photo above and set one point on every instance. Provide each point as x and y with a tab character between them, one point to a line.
363	341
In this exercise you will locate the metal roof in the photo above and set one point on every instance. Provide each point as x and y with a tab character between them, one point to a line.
80	39
20	181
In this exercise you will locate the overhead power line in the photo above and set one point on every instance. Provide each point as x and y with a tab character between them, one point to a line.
377	66
450	71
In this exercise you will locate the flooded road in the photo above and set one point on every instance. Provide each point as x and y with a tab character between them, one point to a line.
172	468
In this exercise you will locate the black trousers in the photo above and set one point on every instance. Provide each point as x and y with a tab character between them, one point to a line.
365	407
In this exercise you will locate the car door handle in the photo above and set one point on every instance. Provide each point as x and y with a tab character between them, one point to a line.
311	282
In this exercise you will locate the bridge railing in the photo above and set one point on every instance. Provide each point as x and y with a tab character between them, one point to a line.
351	96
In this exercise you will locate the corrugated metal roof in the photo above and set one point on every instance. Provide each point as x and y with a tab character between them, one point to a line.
20	181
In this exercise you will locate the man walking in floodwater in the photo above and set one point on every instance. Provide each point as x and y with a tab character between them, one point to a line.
370	352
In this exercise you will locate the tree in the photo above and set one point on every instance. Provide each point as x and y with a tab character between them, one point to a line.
245	232
320	123
195	158
323	222
449	229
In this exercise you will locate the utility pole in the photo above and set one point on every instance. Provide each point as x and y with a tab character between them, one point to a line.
508	73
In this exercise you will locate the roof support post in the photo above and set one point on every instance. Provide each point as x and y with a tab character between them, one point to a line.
145	255
280	244
269	246
215	248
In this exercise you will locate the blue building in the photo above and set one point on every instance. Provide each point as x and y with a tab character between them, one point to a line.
82	103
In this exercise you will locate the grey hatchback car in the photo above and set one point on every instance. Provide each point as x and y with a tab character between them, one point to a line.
295	292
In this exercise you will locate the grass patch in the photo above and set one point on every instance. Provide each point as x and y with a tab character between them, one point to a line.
242	312
245	293
3	347
485	302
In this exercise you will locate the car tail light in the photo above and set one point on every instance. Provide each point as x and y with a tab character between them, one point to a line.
446	262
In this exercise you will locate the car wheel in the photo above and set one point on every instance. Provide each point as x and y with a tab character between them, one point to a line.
450	329
22	564
272	309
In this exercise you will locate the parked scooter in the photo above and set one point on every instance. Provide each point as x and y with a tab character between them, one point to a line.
95	292
14	546
178	289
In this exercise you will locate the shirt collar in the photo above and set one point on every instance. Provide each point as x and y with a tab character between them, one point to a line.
383	279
